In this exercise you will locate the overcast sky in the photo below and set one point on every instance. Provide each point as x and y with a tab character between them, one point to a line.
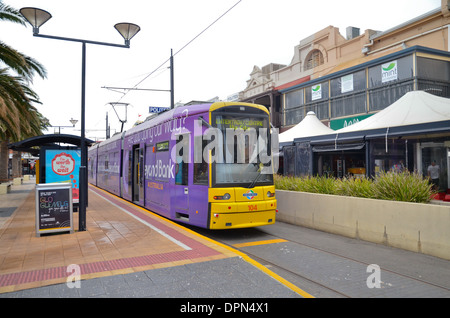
217	63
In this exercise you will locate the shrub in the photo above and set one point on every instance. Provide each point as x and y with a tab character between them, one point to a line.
320	184
306	184
286	183
356	187
405	186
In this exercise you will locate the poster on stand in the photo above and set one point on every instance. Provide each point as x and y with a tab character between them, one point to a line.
63	166
54	209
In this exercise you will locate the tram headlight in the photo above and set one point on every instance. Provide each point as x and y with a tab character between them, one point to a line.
270	194
226	196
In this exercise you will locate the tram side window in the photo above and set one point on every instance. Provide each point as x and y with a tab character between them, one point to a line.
201	169
162	155
182	162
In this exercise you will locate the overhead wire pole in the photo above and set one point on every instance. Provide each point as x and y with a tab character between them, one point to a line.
171	90
122	121
172	96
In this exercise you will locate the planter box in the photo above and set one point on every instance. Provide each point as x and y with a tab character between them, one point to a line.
423	228
5	187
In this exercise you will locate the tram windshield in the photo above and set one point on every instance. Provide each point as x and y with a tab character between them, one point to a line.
245	159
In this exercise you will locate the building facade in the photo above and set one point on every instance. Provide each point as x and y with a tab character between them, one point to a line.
339	77
344	80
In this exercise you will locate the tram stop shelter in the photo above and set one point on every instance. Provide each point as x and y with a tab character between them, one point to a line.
59	158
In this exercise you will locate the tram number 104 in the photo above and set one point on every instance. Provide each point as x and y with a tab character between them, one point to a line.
253	207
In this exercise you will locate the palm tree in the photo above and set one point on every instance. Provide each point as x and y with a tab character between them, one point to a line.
19	119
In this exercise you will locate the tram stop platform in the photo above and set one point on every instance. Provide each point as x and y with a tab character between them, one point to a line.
125	252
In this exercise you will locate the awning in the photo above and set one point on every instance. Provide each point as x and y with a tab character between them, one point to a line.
414	108
47	140
310	126
338	147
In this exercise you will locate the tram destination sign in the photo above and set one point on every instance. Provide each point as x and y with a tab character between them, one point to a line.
54	208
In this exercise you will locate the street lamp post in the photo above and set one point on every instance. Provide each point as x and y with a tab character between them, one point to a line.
37	17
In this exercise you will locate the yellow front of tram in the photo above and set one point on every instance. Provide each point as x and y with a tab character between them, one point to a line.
242	207
242	191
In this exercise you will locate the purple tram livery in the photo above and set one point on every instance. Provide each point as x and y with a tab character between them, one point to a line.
207	165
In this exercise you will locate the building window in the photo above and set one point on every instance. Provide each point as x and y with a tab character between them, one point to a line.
294	99
294	116
391	71
316	92
348	94
316	99
313	59
433	76
389	81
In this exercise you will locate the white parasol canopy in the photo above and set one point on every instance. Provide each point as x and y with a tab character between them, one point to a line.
415	107
309	126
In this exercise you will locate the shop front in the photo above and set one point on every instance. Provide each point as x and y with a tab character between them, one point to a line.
342	164
433	161
394	154
373	154
340	160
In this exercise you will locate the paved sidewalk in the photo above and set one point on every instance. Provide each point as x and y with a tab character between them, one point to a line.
226	278
125	252
11	201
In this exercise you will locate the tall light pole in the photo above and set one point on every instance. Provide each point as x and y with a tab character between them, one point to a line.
37	17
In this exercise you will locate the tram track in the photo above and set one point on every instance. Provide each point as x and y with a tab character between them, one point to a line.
314	286
282	271
367	264
291	275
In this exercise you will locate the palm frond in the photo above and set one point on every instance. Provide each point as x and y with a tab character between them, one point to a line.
10	14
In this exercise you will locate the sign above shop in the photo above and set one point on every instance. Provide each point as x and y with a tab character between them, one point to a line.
389	72
316	92
336	124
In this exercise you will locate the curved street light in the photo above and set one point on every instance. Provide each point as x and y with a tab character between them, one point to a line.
37	17
127	30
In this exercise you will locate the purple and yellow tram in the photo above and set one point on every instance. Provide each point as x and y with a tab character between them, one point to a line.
207	165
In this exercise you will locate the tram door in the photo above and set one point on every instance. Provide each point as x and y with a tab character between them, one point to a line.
138	174
182	156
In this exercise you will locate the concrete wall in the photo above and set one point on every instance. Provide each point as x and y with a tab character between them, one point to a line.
423	228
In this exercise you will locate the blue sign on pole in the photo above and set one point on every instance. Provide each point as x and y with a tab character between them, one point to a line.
154	109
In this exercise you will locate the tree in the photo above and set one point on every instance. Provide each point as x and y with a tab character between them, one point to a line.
19	119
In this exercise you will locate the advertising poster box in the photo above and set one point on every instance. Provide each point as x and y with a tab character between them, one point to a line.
62	166
54	208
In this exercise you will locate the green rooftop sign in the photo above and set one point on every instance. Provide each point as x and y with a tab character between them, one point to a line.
336	124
